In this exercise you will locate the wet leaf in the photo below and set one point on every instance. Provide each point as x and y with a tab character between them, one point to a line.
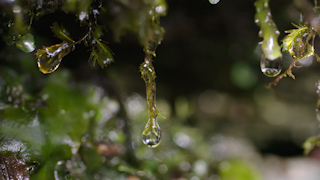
297	42
49	58
21	133
101	53
61	33
26	43
13	168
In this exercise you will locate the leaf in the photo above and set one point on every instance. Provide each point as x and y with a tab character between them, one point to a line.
21	134
61	32
310	143
49	58
26	43
297	42
102	54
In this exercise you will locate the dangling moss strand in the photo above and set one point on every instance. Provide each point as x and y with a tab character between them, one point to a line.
151	135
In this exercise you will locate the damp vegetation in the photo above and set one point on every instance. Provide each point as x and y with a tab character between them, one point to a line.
299	43
64	124
49	58
97	18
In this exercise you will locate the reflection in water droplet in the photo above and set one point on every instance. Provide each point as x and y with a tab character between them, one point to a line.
270	68
151	135
48	66
214	1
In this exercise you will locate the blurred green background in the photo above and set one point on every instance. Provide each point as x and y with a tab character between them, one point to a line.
222	123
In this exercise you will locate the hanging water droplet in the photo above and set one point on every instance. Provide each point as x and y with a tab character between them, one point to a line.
60	171
26	43
49	58
271	68
214	1
151	135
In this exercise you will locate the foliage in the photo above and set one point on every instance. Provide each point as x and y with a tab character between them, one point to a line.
299	43
75	131
63	107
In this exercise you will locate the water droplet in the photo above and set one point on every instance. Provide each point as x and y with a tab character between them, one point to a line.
151	135
107	61
26	43
46	66
214	1
270	68
83	16
60	171
161	9
49	58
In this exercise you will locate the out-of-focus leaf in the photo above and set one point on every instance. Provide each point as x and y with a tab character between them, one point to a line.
310	143
49	58
21	133
101	53
66	119
13	168
238	170
67	116
61	33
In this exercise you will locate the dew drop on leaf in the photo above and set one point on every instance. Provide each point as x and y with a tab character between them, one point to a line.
214	1
151	135
270	68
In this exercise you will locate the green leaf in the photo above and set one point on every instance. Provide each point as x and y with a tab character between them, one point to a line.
310	143
297	42
26	43
21	134
239	170
49	58
102	54
61	32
